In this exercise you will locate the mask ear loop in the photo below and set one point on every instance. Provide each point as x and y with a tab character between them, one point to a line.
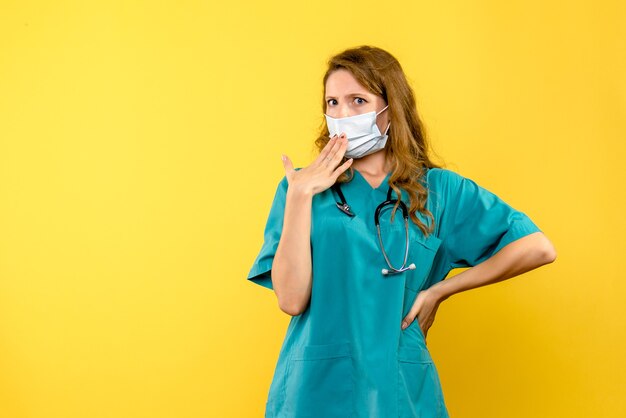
387	130
382	110
388	123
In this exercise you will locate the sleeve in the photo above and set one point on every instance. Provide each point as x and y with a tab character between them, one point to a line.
260	271
479	223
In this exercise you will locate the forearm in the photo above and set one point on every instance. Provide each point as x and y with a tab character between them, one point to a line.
291	269
518	257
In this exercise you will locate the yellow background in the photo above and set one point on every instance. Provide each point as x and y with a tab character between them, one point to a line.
140	148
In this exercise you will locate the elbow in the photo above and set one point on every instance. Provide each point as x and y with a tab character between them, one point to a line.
293	299
290	307
293	303
548	252
290	303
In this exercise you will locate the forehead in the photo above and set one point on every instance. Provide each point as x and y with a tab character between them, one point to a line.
341	82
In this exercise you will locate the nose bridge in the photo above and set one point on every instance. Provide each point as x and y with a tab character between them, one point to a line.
344	110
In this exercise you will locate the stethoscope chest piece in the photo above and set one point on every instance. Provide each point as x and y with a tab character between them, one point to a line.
343	206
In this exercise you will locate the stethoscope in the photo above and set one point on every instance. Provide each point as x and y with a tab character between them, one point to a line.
345	208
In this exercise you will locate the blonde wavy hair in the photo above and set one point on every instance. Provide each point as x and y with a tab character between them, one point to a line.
407	147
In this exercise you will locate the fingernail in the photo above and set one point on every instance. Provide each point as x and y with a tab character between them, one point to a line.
282	156
404	324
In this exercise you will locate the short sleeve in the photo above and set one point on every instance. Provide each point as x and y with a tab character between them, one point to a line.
260	271
478	223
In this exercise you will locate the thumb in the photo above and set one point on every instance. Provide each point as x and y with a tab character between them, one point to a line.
287	163
408	319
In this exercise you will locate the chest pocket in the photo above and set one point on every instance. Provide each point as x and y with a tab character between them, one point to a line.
421	252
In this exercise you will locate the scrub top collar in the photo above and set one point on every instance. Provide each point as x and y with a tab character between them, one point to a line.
383	186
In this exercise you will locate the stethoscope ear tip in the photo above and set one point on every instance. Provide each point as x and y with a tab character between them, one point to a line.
385	271
412	266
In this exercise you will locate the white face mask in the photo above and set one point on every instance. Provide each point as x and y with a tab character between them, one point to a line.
363	134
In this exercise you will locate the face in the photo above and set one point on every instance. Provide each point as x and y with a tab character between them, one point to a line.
345	96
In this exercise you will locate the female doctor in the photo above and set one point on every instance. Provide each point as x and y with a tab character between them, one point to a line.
357	244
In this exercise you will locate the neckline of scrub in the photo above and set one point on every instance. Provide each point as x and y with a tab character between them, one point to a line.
382	185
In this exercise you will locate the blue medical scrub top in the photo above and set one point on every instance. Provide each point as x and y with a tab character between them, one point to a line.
346	354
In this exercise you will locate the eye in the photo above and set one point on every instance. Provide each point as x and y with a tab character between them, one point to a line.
360	98
330	100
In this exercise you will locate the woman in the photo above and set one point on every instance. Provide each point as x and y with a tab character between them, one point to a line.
361	303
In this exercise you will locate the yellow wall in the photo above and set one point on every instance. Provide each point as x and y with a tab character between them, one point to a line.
140	149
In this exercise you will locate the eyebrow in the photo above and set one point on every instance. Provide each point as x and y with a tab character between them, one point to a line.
349	95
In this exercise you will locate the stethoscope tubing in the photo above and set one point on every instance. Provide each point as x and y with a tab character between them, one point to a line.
345	208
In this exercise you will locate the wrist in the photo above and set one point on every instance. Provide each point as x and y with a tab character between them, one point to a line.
299	191
438	291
